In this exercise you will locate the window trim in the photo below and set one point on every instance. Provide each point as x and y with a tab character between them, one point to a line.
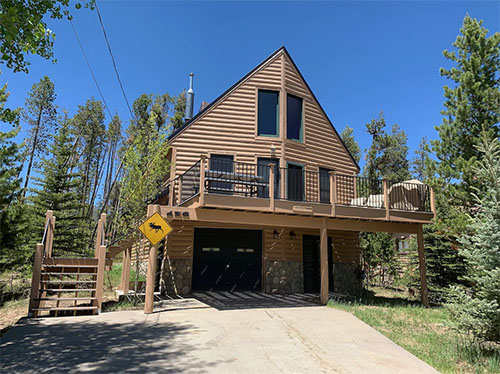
301	139
267	136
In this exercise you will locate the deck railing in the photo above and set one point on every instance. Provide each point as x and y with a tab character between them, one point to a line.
294	183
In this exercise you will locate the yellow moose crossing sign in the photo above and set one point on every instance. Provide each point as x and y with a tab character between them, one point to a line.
155	228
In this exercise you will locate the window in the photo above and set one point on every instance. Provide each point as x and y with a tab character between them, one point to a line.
324	185
294	118
295	182
221	168
268	113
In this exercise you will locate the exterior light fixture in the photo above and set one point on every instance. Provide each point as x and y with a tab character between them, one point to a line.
276	234
273	150
292	234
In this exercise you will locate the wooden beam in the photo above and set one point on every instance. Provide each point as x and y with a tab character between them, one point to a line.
424	293
324	261
271	187
35	280
150	277
201	200
299	221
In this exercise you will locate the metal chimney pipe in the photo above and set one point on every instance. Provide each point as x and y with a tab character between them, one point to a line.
189	99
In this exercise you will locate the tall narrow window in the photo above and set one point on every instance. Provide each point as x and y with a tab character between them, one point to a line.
268	113
294	126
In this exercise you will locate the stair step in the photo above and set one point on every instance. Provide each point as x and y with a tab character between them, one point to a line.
64	273
69	290
66	298
69	266
67	282
50	309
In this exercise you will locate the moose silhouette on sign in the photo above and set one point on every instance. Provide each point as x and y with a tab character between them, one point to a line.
153	226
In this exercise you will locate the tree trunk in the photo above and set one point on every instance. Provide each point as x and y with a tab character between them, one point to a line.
32	153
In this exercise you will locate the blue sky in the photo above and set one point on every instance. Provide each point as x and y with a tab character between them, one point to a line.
358	57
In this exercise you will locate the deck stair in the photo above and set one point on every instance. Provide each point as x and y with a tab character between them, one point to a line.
68	286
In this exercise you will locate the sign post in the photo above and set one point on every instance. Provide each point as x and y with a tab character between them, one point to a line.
155	228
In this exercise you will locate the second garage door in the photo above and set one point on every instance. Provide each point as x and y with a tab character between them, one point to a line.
227	259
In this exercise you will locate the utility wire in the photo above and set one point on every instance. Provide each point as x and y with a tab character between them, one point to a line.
90	68
113	60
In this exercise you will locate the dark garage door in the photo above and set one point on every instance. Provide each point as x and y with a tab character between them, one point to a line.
227	259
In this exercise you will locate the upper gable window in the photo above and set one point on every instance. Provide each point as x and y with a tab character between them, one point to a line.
294	126
268	113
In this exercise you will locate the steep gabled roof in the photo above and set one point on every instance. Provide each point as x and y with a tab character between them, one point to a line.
243	79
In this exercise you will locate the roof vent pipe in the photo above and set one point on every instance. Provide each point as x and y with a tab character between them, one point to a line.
190	99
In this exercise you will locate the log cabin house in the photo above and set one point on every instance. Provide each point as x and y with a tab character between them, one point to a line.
262	194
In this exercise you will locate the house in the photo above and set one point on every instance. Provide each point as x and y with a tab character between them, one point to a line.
264	196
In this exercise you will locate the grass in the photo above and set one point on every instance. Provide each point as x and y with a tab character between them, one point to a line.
424	332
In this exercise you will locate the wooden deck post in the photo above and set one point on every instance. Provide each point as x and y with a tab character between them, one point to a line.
271	187
49	240
333	191
150	278
324	262
179	192
101	262
433	203
424	293
35	281
202	180
386	200
101	224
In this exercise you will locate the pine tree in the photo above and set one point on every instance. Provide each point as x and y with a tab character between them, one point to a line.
11	211
386	158
477	307
40	114
59	188
347	136
471	105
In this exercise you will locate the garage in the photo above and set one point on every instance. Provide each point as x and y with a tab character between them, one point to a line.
227	259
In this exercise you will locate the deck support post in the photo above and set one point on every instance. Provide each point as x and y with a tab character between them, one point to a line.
424	293
127	255
202	180
271	187
35	280
324	262
100	254
150	278
333	191
386	200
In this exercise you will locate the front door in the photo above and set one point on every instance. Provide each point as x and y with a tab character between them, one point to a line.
312	263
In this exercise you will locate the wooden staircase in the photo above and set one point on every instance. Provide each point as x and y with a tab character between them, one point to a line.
67	286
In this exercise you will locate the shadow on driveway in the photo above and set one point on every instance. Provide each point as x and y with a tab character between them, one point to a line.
85	344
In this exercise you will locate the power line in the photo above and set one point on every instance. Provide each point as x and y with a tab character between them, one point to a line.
113	60
90	68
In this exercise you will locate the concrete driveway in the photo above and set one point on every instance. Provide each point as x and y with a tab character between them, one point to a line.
191	336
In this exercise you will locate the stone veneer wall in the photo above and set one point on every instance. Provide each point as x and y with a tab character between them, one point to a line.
346	279
284	277
176	272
